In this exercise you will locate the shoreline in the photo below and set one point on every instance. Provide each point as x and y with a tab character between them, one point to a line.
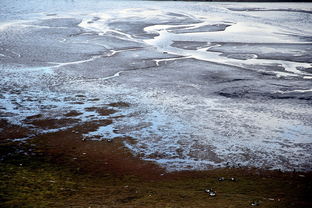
57	169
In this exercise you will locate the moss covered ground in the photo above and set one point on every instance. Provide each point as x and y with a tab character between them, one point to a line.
29	177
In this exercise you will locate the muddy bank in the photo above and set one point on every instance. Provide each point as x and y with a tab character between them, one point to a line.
103	174
65	168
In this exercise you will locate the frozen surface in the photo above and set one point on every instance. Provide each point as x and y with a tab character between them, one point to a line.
208	84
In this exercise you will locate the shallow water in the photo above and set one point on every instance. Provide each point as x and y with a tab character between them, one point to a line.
209	84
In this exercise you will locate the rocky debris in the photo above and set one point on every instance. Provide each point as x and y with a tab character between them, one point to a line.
221	179
211	192
228	179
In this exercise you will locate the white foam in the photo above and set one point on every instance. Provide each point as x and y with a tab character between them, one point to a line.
300	91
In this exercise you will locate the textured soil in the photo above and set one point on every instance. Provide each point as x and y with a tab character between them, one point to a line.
66	169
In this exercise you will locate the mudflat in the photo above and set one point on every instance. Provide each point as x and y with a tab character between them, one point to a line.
152	104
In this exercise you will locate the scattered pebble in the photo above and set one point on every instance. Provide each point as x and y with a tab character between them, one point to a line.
233	179
211	192
207	190
255	203
223	179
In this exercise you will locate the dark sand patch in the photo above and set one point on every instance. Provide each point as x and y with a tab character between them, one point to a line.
94	99
10	131
188	45
37	116
205	28
80	96
239	56
120	104
77	103
101	110
94	157
51	123
72	113
84	128
249	92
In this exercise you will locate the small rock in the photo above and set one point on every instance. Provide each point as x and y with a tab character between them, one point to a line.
302	176
208	190
212	193
232	179
255	203
221	179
